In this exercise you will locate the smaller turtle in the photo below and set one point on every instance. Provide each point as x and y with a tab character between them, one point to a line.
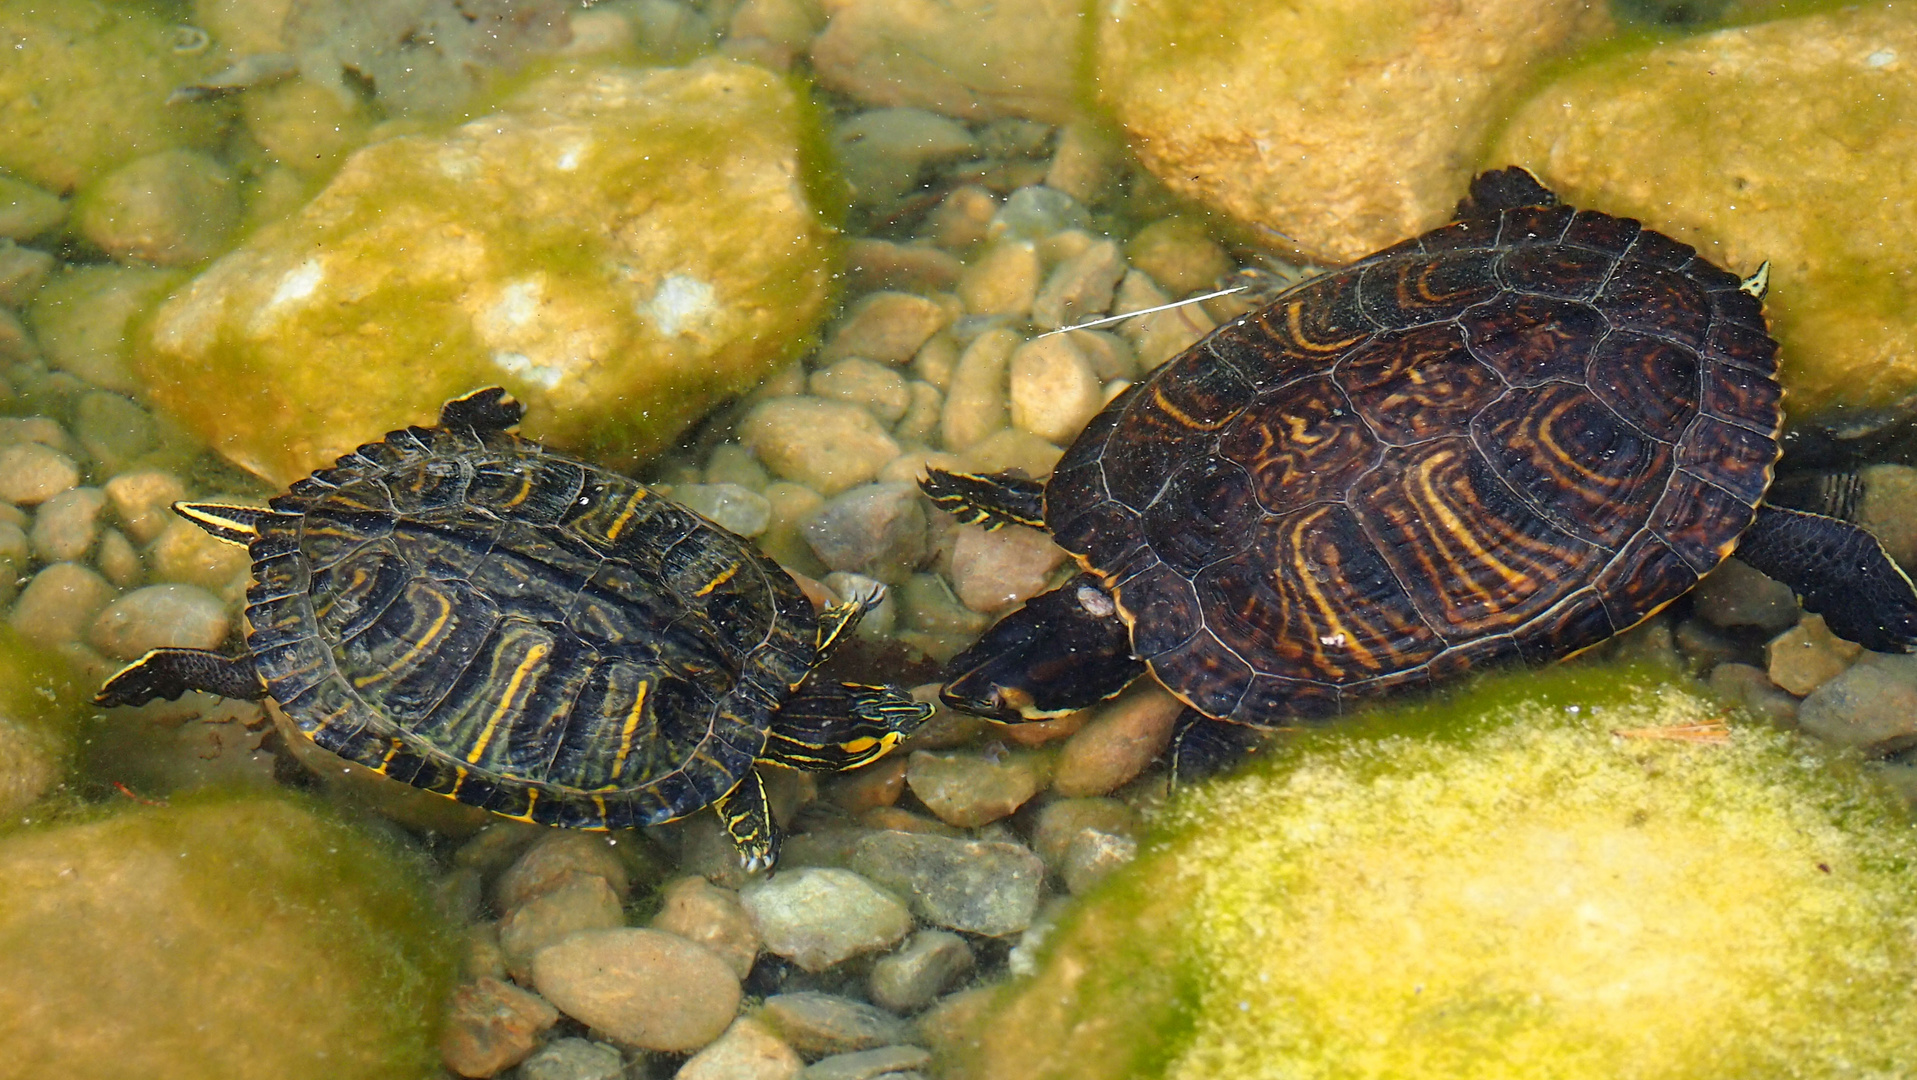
463	610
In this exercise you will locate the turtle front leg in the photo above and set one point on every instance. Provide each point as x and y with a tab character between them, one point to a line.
168	673
992	500
1838	571
747	818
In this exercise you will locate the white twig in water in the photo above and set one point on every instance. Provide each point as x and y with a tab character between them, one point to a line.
1109	319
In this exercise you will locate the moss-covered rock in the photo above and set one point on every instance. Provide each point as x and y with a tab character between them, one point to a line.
37	719
229	937
1577	876
620	248
1785	141
81	316
1337	126
84	88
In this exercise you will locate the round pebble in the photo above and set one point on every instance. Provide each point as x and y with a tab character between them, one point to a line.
886	326
573	1059
1080	288
31	473
1054	391
731	463
697	910
144	500
978	887
961	219
1035	212
22	271
975	399
187	553
829	446
968	789
1179	254
995	569
878	530
645	988
1010	448
1061	822
112	429
1003	280
182	616
729	506
553	855
1808	655
874	387
1092	857
1122	737
1871	706
66	525
882	1063
747	1051
577	901
819	916
58	604
920	423
914	977
173	208
491	1026
1736	596
1157	337
819	1025
118	560
26	211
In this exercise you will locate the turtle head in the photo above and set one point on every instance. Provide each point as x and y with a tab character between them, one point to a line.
1064	650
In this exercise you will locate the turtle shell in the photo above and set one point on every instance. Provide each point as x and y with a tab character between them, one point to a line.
521	631
1514	436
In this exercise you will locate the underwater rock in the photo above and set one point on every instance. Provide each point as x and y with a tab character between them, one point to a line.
747	1051
645	988
26	211
1548	874
598	246
81	317
973	59
36	723
1779	141
218	937
173	208
1336	127
84	89
818	916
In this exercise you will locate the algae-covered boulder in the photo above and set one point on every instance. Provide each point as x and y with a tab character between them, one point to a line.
235	937
1338	126
84	88
1789	141
37	719
1578	876
620	248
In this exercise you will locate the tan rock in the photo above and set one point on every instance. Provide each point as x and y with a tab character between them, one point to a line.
1161	335
577	901
1179	254
1122	738
992	570
598	246
1010	448
878	784
829	446
1339	126
1808	655
1054	390
699	911
886	326
975	399
968	789
553	855
647	988
1776	141
746	1050
492	1026
1003	279
973	59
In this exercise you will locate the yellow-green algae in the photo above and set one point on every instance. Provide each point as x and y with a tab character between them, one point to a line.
1497	886
38	716
219	936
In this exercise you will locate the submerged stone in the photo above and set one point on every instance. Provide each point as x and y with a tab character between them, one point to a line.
37	721
1552	875
1782	141
1339	126
602	246
245	937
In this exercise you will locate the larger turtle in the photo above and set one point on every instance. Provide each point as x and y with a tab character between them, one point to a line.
465	611
1510	438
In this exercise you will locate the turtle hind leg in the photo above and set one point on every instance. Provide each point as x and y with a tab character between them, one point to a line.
1838	571
490	409
168	673
834	727
1202	748
992	500
747	818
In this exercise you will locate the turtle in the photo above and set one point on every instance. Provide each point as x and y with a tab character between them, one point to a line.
461	609
1505	440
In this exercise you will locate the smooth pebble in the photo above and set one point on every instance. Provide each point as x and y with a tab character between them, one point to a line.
144	500
886	326
552	855
729	506
66	525
1053	389
1002	280
118	559
978	887
874	387
995	569
31	473
878	530
968	789
829	446
890	1062
645	988
819	1025
491	1026
573	1059
975	401
59	603
178	616
747	1051
1121	738
578	901
699	911
928	965
819	916
1079	288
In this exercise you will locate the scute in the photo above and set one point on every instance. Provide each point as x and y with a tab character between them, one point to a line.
1516	435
